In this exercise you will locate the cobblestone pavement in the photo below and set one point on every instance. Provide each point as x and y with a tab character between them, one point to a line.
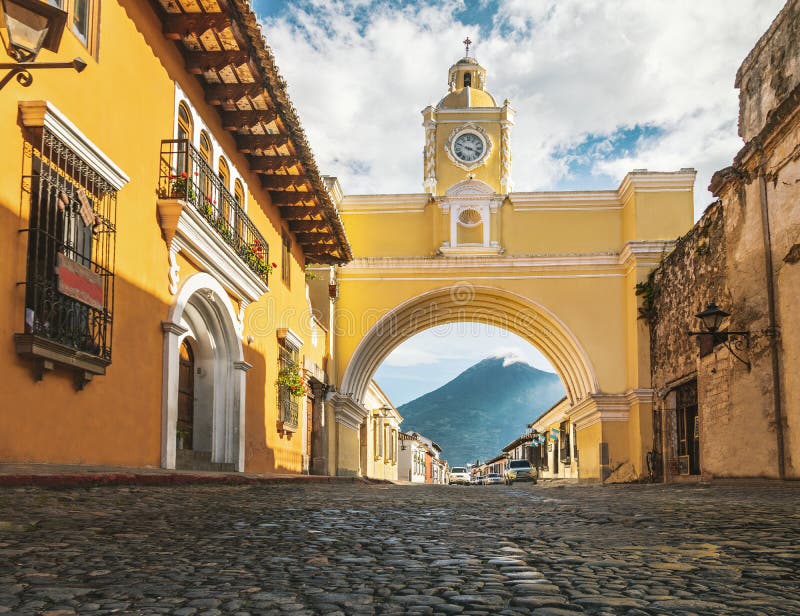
378	549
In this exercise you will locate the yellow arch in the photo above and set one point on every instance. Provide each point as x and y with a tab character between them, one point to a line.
473	303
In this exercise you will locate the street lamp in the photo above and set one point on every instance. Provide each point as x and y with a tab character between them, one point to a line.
712	318
32	25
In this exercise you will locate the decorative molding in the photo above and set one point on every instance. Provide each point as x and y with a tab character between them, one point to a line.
644	253
242	365
475	251
385	204
174	269
577	201
348	411
168	327
656	181
43	114
506	184
289	337
600	408
603	261
192	235
473	128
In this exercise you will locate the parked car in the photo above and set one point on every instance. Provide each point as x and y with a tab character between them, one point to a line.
520	470
493	479
459	475
476	480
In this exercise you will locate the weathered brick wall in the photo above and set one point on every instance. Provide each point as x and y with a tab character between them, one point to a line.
770	72
689	277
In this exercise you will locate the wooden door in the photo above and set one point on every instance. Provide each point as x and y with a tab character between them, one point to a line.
185	427
688	427
309	428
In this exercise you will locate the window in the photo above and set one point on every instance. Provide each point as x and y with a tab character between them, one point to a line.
286	253
206	183
224	173
69	286
288	407
185	123
238	193
83	18
467	80
185	132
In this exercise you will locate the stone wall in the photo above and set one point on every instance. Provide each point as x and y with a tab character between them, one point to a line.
770	72
689	277
744	253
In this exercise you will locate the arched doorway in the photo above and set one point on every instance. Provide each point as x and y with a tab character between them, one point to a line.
203	387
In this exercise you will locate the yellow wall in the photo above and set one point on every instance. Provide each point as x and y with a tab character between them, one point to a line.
125	104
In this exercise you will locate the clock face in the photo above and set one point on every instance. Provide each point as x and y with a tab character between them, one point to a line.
468	147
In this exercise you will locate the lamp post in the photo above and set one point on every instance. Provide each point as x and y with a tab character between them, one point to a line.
32	25
712	318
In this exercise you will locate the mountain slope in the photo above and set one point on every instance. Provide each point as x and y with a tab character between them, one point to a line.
483	408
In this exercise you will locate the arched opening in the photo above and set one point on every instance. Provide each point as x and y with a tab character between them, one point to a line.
185	131
203	383
470	387
466	302
224	173
470	228
205	171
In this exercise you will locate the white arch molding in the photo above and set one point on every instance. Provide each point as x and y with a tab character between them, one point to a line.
202	307
466	302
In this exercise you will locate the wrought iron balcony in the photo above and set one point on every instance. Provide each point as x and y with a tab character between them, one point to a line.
186	175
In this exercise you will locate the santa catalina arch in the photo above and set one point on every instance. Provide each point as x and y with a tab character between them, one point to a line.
557	268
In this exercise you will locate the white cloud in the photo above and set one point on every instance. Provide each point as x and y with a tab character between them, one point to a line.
360	72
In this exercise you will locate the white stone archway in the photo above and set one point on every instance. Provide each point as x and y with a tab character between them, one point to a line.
472	303
202	311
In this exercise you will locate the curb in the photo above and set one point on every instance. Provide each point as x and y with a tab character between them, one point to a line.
161	479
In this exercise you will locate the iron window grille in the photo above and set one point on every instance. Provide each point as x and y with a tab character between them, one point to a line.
185	174
69	285
287	404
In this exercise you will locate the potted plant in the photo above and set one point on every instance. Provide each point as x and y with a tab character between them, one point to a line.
290	378
182	438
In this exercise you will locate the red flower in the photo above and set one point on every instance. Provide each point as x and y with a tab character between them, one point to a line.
274	265
183	174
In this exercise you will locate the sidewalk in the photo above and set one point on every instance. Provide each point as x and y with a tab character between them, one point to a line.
74	475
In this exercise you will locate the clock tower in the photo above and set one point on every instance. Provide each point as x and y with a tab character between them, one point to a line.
467	159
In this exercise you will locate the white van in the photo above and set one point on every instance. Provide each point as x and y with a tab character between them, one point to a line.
459	474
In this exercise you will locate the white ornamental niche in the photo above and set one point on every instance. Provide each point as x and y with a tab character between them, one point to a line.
470	205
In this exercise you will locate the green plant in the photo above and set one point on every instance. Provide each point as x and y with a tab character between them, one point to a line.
647	291
310	275
290	378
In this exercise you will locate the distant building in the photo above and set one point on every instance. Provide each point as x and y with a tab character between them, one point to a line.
555	450
380	436
420	461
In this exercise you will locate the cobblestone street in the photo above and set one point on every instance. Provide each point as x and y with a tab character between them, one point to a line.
385	549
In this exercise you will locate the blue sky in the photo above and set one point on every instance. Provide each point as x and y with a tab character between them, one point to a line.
600	87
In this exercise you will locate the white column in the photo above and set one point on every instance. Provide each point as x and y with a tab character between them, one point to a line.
240	369
169	390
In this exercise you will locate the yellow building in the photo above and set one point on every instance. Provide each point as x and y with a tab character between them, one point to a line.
145	201
555	452
556	268
379	437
